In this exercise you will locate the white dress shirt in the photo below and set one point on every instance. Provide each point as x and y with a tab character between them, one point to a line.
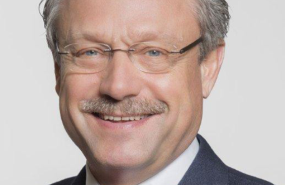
170	175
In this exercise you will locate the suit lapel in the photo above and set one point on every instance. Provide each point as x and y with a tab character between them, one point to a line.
80	178
206	169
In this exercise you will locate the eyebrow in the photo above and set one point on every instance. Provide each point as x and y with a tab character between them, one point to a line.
87	36
151	35
136	35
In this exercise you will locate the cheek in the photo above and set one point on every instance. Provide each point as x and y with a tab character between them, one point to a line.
182	86
181	91
191	94
75	88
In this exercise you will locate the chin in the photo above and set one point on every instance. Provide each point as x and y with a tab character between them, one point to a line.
119	157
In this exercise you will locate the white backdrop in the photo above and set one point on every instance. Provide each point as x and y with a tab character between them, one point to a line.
244	118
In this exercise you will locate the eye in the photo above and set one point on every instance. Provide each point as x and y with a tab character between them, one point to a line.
91	53
154	53
86	53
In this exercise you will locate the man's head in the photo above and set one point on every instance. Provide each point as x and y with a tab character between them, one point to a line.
167	104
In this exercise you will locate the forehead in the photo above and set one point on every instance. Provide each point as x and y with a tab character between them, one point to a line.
130	20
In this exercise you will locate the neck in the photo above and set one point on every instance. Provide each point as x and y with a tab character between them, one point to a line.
111	176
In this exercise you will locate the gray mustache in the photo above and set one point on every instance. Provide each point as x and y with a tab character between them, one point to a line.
128	107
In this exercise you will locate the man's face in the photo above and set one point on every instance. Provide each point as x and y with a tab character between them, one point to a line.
172	101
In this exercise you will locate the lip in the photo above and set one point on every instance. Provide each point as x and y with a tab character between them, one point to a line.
121	124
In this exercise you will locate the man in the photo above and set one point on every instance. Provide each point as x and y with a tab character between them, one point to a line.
131	77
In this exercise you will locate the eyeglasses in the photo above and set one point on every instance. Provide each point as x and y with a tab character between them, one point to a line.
147	57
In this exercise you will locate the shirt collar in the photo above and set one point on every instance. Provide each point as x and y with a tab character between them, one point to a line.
90	180
171	174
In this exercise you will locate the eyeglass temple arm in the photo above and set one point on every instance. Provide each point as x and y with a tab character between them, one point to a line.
190	46
62	53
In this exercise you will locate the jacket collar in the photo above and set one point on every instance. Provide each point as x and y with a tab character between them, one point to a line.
80	179
206	168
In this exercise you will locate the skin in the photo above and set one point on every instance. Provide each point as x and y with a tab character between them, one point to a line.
130	156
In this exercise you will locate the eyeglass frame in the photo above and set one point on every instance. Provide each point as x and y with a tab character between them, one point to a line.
181	51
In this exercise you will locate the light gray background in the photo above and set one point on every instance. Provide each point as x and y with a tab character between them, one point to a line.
243	118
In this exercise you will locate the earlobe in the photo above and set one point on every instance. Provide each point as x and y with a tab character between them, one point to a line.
210	69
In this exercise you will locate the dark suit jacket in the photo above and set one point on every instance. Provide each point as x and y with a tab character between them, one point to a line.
206	169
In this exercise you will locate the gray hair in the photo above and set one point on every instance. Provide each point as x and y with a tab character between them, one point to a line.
212	15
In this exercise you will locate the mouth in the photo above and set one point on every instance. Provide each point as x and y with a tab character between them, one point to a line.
121	121
118	118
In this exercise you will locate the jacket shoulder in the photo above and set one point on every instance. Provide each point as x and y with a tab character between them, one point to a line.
67	181
239	178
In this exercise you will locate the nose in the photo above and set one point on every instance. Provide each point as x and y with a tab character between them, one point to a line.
121	79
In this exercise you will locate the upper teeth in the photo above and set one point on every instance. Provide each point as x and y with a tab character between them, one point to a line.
115	118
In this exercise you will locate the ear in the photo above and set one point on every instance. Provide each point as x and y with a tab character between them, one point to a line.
210	68
57	77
